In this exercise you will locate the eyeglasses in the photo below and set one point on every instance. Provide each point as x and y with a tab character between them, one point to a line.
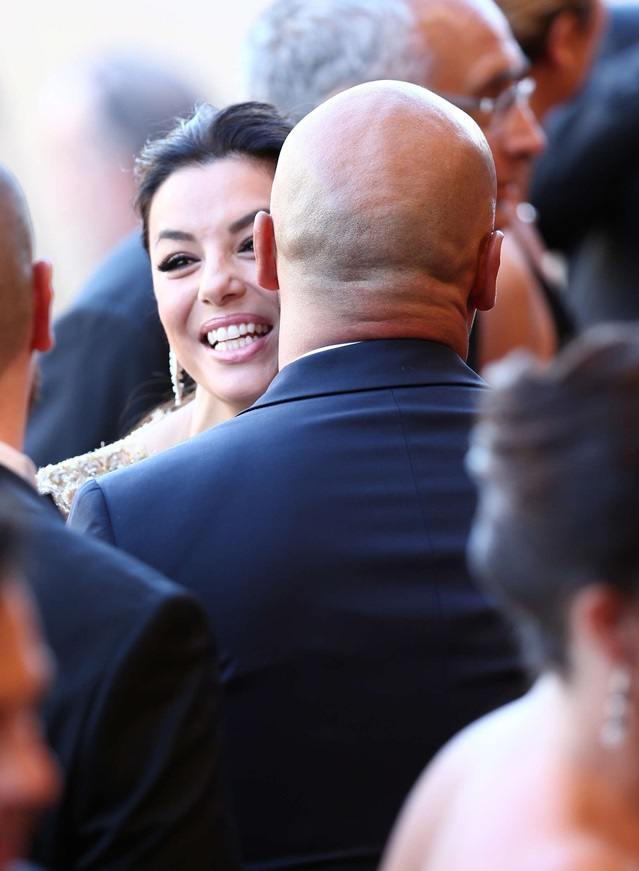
495	108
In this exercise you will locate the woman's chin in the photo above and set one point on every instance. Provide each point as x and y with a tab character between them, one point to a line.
236	394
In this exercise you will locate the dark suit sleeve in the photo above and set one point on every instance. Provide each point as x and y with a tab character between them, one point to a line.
150	795
90	514
592	146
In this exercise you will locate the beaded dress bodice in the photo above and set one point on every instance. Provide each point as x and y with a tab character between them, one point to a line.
63	480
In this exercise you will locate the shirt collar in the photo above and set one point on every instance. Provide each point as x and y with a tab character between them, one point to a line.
325	348
18	463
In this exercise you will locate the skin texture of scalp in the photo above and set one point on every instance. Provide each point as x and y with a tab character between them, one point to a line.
382	200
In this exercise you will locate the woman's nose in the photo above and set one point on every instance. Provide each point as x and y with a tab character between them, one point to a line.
219	283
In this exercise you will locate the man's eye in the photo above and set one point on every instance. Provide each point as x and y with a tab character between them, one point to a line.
175	261
246	247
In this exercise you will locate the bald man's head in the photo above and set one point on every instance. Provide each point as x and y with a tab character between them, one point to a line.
382	200
16	255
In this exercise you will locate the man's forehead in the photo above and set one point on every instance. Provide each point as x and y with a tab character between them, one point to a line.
471	44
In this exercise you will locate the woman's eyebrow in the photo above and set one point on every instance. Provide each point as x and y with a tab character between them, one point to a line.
241	223
175	236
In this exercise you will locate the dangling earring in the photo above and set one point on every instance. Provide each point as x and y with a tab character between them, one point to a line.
616	713
176	371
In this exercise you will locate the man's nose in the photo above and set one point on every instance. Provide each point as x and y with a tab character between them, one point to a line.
522	133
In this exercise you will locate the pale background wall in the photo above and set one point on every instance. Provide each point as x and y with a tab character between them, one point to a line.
197	37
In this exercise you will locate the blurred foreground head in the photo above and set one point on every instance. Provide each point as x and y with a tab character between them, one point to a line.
556	457
381	225
560	38
28	776
25	298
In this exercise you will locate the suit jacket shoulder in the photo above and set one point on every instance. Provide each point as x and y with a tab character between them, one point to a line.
324	529
134	713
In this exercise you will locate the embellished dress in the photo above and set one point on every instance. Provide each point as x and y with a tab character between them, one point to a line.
63	480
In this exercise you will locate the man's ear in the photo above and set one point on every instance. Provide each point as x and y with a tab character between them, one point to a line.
265	251
41	336
482	294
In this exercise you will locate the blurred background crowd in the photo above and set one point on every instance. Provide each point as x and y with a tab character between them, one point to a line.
58	56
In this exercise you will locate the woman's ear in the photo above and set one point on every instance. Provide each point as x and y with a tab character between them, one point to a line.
265	251
610	621
41	335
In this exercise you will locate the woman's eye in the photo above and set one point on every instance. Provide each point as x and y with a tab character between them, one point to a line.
175	261
246	247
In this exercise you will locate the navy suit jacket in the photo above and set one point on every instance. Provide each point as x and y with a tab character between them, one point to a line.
324	531
109	365
133	715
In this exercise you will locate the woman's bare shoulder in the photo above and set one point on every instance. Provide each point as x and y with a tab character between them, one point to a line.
431	798
579	852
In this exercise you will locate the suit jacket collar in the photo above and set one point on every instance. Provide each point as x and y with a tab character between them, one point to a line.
370	365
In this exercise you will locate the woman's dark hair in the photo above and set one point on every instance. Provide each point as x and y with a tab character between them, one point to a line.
556	457
253	130
531	20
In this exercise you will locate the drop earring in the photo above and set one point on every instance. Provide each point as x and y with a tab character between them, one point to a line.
177	372
616	712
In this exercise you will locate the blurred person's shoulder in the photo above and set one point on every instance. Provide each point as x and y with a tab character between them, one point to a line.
579	851
121	282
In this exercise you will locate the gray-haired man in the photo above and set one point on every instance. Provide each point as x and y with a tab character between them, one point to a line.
300	52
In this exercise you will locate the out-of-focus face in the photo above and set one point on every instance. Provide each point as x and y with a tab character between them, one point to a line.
588	39
477	56
221	324
28	775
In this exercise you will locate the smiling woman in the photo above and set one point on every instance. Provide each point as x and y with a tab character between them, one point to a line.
200	188
220	324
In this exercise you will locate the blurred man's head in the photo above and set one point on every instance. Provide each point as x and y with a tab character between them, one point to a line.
560	39
465	52
382	211
28	775
301	52
478	66
25	297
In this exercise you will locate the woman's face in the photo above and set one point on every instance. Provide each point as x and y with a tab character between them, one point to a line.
221	325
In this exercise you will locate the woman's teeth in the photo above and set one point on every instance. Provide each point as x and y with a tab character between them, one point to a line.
235	336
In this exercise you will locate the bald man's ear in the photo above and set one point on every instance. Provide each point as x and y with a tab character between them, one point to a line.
265	251
482	294
41	336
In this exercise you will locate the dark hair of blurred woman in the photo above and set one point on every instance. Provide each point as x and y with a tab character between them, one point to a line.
552	780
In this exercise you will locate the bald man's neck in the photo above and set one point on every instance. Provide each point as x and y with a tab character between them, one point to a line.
305	328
